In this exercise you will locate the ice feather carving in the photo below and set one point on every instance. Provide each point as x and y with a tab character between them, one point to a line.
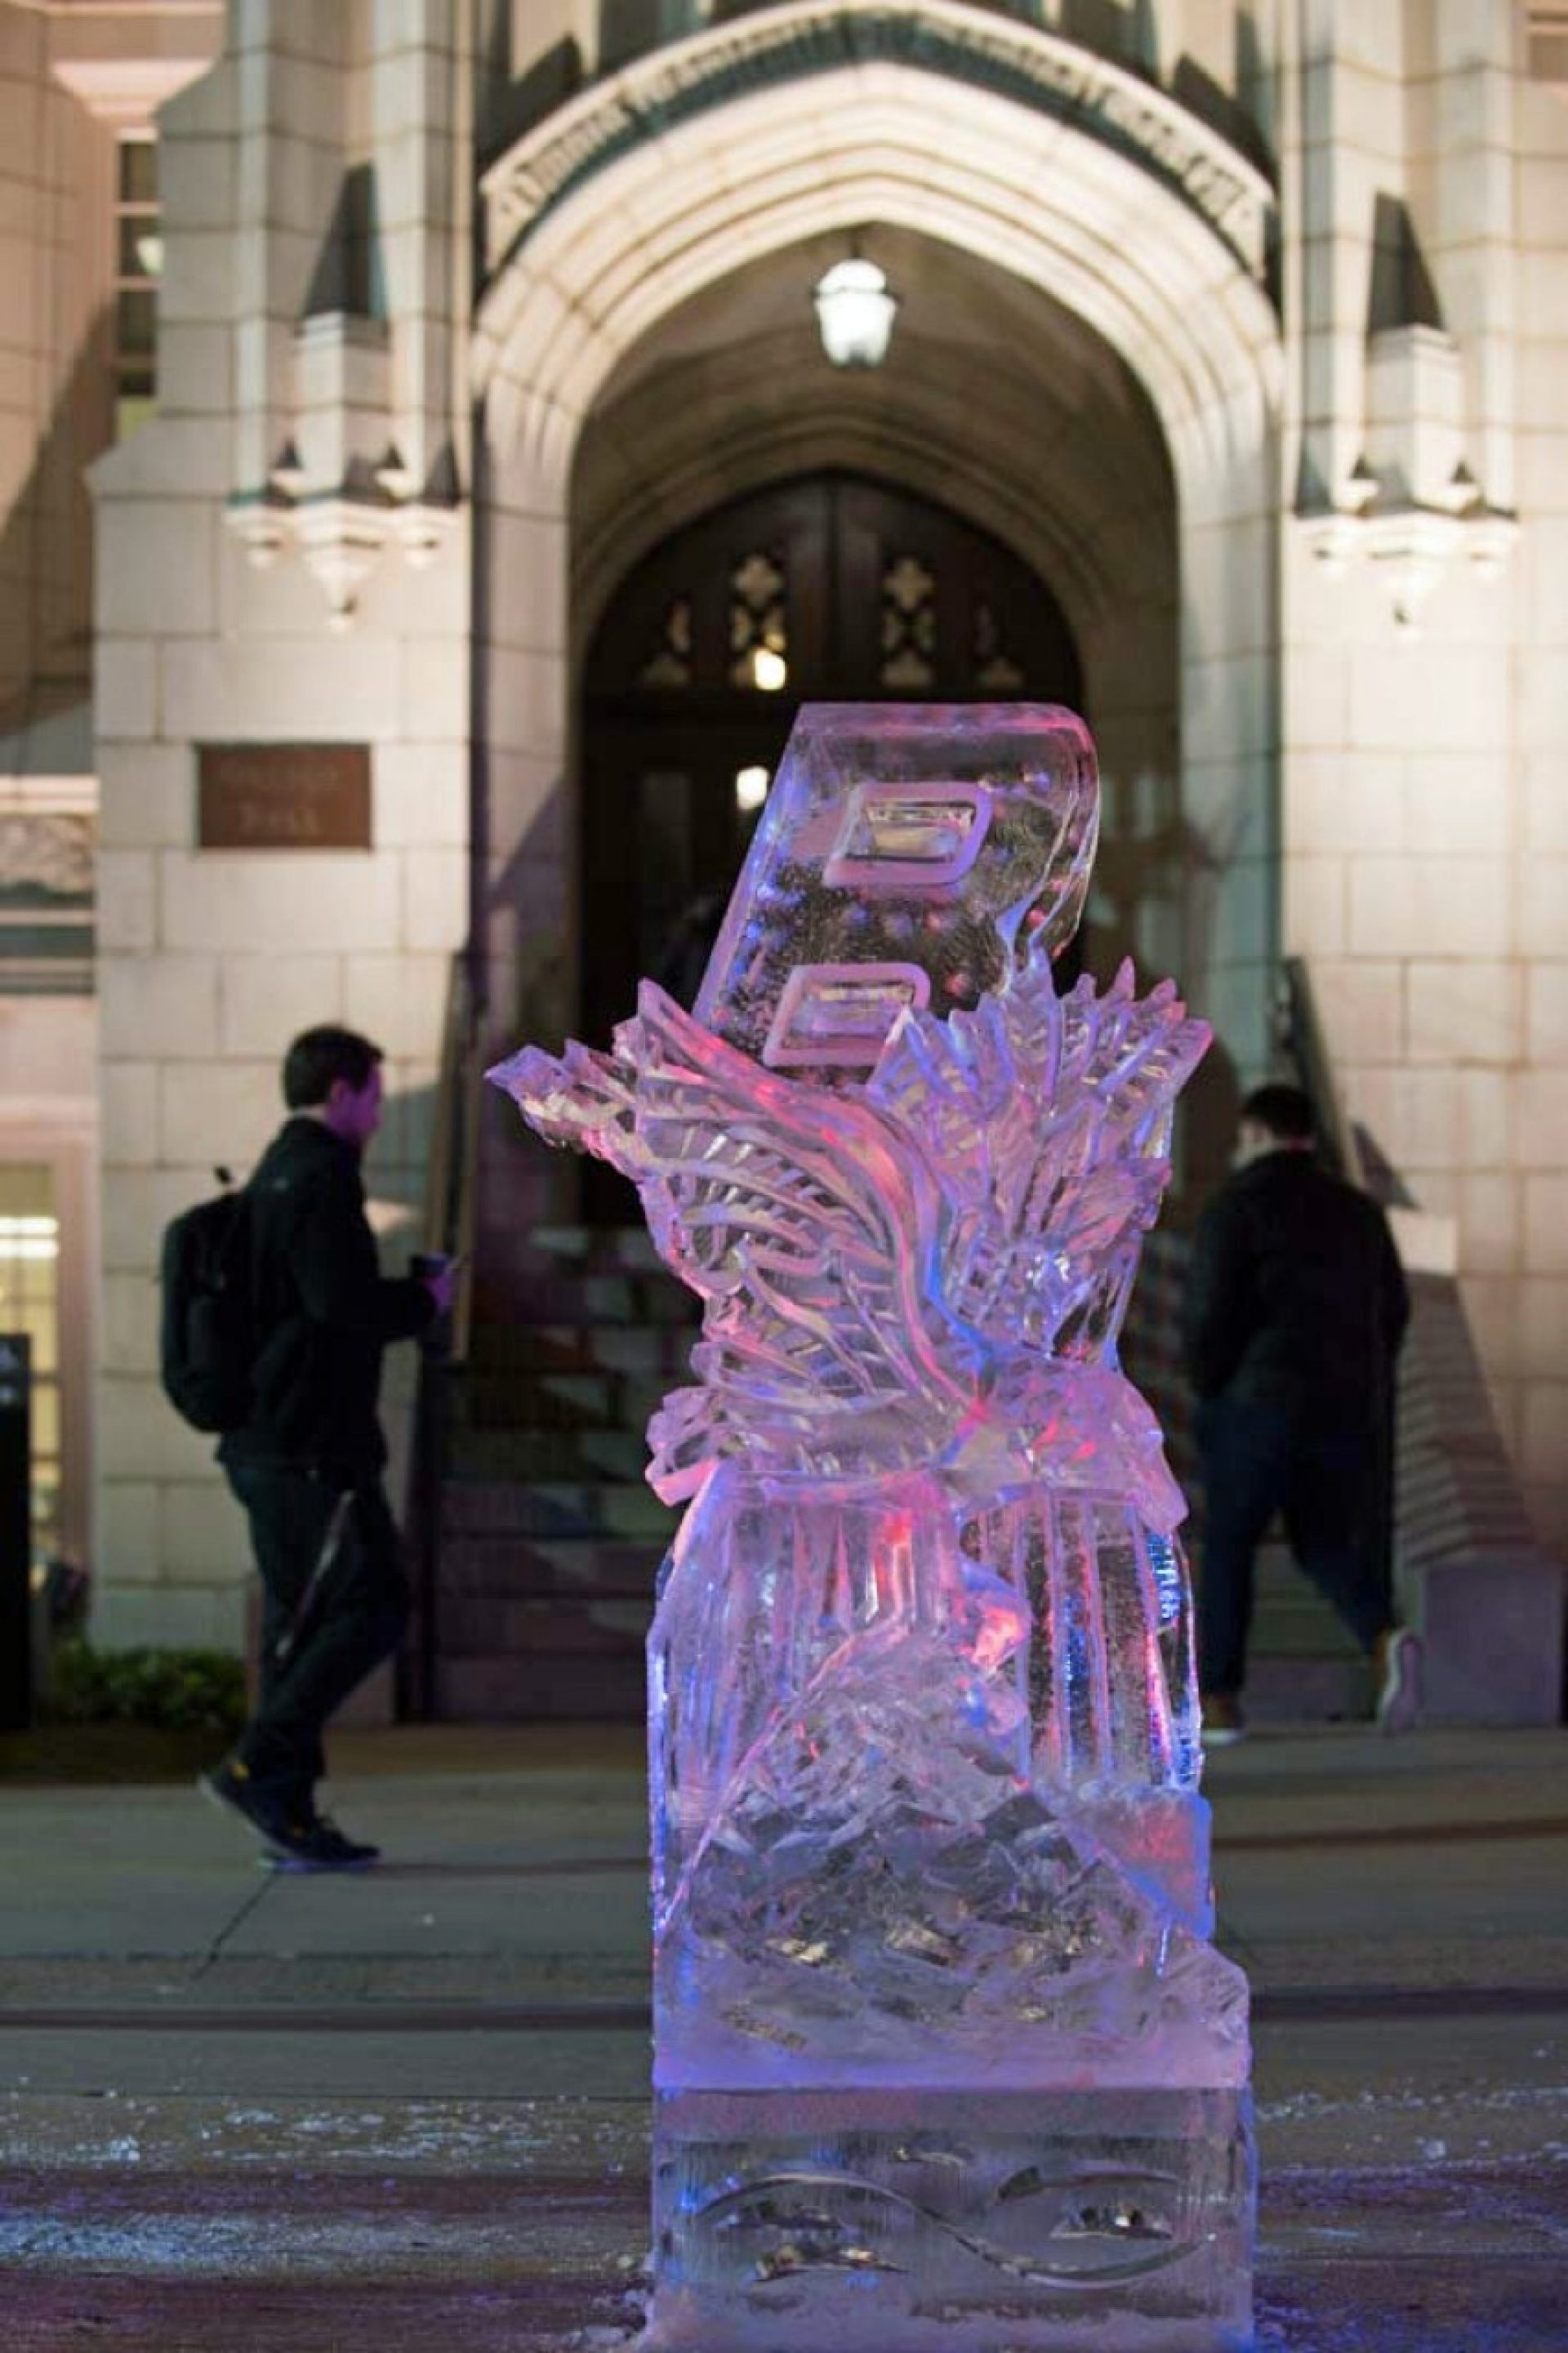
809	1223
1047	1120
929	1268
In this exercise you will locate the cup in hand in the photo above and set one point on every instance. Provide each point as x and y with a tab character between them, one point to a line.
438	1272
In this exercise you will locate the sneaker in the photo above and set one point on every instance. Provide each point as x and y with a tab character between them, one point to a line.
230	1787
1396	1664
1224	1723
318	1844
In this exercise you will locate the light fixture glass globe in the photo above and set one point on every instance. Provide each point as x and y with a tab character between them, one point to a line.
855	309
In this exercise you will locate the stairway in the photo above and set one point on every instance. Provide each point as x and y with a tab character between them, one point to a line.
1303	1665
551	1542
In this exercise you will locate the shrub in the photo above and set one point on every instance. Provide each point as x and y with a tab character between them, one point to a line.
177	1691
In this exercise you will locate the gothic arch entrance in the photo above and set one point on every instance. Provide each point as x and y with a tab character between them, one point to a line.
1147	234
830	588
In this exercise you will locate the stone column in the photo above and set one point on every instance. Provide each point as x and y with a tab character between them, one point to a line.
284	560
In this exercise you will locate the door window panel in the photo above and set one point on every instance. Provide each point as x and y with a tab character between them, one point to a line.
29	1302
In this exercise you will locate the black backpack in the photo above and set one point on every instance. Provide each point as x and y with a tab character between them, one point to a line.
206	1344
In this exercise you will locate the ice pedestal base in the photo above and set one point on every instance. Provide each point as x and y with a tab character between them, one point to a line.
846	2221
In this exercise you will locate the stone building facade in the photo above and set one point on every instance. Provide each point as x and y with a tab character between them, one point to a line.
1243	328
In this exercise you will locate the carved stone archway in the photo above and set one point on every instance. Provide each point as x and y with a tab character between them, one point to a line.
1024	151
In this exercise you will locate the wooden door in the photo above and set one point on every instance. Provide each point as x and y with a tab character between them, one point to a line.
831	588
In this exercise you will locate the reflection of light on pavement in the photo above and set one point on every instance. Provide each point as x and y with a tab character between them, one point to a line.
750	788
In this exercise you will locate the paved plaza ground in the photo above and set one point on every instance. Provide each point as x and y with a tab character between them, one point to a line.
408	2109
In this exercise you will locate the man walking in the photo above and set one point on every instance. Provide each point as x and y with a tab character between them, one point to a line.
307	1463
1295	1309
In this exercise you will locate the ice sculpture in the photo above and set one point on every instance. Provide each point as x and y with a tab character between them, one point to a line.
943	2055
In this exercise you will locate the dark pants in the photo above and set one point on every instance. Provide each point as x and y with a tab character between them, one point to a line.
1329	1487
354	1618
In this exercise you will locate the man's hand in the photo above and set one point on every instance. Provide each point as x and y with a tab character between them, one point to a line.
441	1282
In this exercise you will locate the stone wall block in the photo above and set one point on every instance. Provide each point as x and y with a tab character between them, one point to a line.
435	899
47	1049
127	911
131	1312
201	285
315	688
1417	904
1414	1117
1316	905
125	687
1493	1631
222	1111
140	1435
1398	693
405	1141
1491	1224
196	183
1316	700
205	1538
137	1205
1546	1036
1362	1007
421	796
159	1007
146	797
1458	805
1465	1011
528	700
200	1617
168	470
1541	1120
264	1000
1545	1422
128	1114
1487	1112
1542	917
433	703
1546	1222
131	1521
319	902
399	1000
1544	1355
1545	801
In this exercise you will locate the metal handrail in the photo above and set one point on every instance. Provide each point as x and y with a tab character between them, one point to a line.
465	1222
1340	1150
448	1226
1302	1039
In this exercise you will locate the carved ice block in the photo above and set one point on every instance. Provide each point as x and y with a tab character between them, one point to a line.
945	2055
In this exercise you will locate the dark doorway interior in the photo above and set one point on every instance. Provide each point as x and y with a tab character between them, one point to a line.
830	588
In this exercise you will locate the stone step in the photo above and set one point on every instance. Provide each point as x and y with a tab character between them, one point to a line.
1307	1690
1289	1614
607	1689
502	1508
492	1567
650	1351
1303	1665
517	1290
601	1247
552	1456
515	1398
498	1628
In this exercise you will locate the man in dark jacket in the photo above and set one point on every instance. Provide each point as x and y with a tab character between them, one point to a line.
306	1465
1295	1309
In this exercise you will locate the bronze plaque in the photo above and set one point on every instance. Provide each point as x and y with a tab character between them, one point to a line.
283	797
